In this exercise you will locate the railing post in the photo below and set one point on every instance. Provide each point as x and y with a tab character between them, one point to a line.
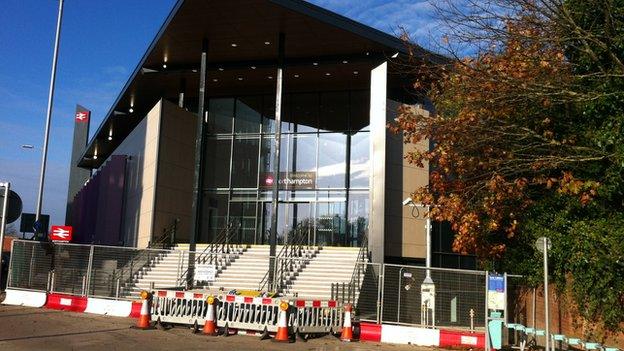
117	290
89	269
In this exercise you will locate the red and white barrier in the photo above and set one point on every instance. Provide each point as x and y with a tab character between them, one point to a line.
109	307
454	338
25	298
397	334
66	302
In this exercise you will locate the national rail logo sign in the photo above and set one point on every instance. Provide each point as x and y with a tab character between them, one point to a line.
82	116
61	233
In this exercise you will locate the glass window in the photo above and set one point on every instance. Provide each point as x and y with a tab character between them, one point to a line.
220	115
248	115
334	115
244	214
217	162
360	156
358	217
332	161
215	207
330	224
268	114
304	149
245	163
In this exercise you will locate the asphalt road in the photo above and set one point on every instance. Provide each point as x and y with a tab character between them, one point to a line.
23	328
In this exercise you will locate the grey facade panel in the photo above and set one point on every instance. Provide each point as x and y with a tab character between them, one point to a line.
77	176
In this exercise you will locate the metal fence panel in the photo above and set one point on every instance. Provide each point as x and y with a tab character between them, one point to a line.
70	266
30	265
457	293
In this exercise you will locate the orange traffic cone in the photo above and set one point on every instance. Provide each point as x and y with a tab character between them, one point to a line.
210	326
347	329
144	318
282	324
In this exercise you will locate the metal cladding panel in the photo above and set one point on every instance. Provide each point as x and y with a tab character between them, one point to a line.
77	176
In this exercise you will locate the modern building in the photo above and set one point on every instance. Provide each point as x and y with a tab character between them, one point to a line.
270	114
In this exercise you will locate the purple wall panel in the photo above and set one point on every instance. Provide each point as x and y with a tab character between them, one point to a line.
97	207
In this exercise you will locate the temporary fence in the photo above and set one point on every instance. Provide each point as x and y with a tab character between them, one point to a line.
380	293
245	312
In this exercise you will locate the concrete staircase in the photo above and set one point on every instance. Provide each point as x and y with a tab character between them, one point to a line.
330	265
165	270
246	266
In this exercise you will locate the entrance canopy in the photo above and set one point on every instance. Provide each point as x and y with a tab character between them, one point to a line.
323	51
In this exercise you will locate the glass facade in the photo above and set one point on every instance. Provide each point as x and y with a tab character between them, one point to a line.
324	167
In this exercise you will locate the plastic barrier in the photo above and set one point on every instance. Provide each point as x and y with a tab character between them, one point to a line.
370	332
25	298
66	302
109	307
245	312
135	311
453	338
179	307
396	334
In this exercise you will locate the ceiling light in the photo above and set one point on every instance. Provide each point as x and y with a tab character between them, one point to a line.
270	77
110	138
240	78
194	70
296	76
267	43
253	67
221	69
130	110
95	157
328	74
345	61
395	55
164	65
215	80
315	63
355	72
234	45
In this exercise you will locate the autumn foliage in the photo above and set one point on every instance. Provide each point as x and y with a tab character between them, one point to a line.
505	132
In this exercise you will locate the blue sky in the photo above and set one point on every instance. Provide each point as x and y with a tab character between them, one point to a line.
101	43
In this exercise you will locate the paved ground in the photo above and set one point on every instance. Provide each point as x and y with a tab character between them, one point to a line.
23	328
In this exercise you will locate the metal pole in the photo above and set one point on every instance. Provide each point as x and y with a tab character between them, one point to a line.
428	255
276	160
5	205
546	317
44	156
487	334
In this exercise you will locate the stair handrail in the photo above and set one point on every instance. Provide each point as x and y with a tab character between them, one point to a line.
293	254
213	253
144	257
355	281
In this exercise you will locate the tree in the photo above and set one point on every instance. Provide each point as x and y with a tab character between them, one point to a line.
528	138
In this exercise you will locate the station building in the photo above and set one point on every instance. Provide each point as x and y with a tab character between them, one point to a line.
193	136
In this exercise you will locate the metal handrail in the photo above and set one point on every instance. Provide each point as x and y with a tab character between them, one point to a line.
355	281
144	258
221	245
293	254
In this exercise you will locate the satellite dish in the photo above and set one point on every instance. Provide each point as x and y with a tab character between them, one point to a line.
14	209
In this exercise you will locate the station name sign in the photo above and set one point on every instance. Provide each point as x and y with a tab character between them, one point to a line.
289	180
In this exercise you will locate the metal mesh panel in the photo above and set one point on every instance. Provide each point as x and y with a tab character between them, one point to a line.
30	265
70	265
457	293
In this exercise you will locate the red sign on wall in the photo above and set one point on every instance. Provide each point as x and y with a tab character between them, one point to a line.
82	116
61	233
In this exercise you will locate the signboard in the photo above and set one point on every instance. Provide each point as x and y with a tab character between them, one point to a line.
14	206
496	292
82	116
289	180
27	224
539	244
205	273
61	233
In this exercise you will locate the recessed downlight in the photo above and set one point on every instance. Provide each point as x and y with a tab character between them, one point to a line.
233	45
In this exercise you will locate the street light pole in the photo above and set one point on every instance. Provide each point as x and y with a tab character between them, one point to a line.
44	156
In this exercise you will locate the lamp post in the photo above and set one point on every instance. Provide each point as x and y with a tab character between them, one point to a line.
44	152
409	202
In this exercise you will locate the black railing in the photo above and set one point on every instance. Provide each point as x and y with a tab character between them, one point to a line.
347	292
